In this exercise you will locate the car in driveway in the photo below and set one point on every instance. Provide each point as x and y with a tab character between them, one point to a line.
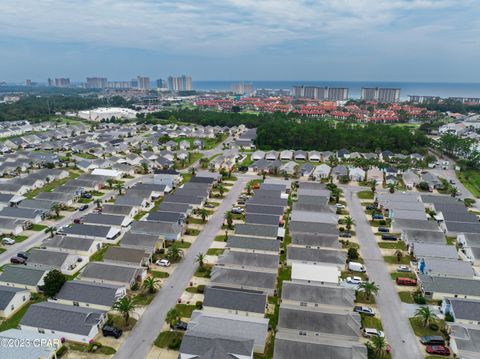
432	340
209	205
23	255
353	280
377	216
406	281
389	237
371	207
237	210
383	229
18	260
404	269
339	206
8	241
181	325
364	310
437	350
83	207
87	195
111	331
163	263
372	332
345	235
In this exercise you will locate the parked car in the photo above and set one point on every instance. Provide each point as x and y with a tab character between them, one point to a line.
377	216
237	210
405	269
77	220
110	331
181	325
8	241
406	281
353	280
339	206
163	263
372	332
23	255
83	207
389	237
356	267
209	205
432	340
18	260
364	310
370	207
452	181
438	350
345	235
383	229
87	195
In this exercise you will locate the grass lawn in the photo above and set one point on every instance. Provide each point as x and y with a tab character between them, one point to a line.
14	320
196	221
85	200
165	339
214	204
396	275
451	241
87	156
205	273
119	322
393	260
185	310
365	195
371	322
471	180
192	231
215	251
84	348
19	239
139	215
183	245
38	227
98	255
159	274
144	298
392	245
246	162
186	177
421	331
360	298
220	238
406	297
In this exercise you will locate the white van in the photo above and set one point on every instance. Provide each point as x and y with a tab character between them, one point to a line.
356	267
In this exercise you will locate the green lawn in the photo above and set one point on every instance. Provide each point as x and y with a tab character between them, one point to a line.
165	339
192	231
87	156
215	251
185	310
144	298
139	215
84	348
365	195
451	241
406	297
392	245
98	255
471	180
421	331
220	238
38	227
159	274
371	322
183	245
195	221
19	239
393	259
52	185
361	298
85	200
205	273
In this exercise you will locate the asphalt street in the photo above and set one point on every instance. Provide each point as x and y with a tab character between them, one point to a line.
140	340
398	332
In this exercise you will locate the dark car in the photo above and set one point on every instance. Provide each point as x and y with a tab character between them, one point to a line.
383	229
377	216
87	195
23	255
209	205
389	237
83	207
371	207
437	349
109	331
432	340
345	235
181	325
18	260
243	168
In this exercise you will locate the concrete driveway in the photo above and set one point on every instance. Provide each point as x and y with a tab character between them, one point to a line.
395	322
150	324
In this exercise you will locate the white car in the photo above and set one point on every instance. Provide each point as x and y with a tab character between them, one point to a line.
372	332
8	241
404	269
163	263
339	206
354	280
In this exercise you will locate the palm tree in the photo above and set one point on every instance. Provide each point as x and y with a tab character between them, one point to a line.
98	202
379	345
110	182
204	214
125	305
454	191
349	222
151	284
119	187
221	189
373	185
426	315
391	188
173	316
399	255
144	167
229	218
369	288
249	188
55	207
174	253
200	259
193	171
52	230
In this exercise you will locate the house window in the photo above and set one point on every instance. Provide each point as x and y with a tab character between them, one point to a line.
41	331
12	307
76	304
24	299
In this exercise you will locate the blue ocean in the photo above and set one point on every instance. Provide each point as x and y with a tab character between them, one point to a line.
407	88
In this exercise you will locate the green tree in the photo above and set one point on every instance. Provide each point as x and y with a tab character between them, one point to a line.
174	253
399	255
144	167
204	214
53	282
151	284
229	218
119	187
378	345
200	259
125	306
98	202
249	188
369	288
55	207
352	254
110	182
426	315
172	318
52	230
349	222
221	189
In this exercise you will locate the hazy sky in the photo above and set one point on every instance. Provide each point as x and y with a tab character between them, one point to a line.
379	40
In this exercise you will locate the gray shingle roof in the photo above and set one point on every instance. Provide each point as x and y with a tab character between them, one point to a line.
244	278
465	309
246	259
320	294
62	318
106	219
47	258
21	275
109	272
450	285
88	292
271	245
7	294
256	230
66	242
235	299
210	346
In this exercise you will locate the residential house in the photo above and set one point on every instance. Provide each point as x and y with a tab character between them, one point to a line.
22	277
12	299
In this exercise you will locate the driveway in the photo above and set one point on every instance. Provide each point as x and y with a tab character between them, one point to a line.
394	317
141	338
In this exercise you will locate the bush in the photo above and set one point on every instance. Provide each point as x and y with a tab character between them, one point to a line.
352	254
382	222
200	288
199	305
434	327
175	343
469	202
419	299
448	317
341	229
135	286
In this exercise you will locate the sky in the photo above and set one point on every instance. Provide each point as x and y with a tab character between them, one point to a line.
344	40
